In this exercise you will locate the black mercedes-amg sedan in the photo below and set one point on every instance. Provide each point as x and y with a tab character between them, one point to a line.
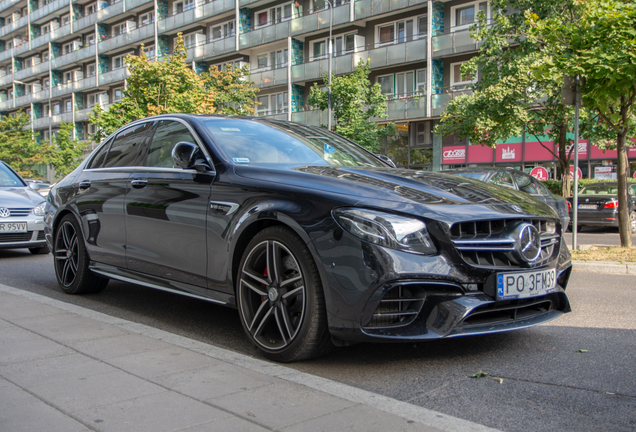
315	241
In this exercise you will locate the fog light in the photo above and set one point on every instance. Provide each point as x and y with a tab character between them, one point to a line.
471	287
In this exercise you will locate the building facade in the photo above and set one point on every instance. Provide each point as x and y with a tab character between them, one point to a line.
59	58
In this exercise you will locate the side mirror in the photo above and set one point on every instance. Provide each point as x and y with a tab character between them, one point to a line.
33	185
386	160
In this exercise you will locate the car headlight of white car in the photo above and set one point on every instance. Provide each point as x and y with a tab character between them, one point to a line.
38	210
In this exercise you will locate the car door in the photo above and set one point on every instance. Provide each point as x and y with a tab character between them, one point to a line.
101	192
166	211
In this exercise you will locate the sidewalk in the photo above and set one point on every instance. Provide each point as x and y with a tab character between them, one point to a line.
66	368
607	267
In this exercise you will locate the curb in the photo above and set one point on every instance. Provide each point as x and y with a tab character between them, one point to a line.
604	267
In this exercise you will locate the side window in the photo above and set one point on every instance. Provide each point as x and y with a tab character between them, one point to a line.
98	160
502	179
541	188
168	133
126	148
526	184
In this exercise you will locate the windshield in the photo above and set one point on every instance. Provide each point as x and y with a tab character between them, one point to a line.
472	175
8	178
600	190
256	142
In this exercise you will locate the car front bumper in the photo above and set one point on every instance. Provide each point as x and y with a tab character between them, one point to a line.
32	238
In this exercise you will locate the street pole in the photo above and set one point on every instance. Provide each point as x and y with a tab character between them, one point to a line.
329	64
575	199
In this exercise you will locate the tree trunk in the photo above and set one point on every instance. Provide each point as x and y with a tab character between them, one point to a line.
564	161
624	225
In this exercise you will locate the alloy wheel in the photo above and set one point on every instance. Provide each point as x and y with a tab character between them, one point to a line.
272	295
67	254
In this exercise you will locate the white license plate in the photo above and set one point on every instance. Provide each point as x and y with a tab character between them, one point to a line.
526	284
588	206
13	227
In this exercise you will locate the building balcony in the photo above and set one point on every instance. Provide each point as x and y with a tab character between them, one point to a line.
269	78
6	105
87	21
405	108
56	119
15	25
454	42
41	123
368	8
31	71
26	100
118	75
73	57
83	114
5	4
132	37
440	101
263	35
211	49
201	11
311	117
6	80
320	20
131	4
45	10
46	38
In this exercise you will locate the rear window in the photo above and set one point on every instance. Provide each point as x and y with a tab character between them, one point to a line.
600	190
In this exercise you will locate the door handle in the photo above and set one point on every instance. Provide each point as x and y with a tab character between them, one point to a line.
139	183
84	184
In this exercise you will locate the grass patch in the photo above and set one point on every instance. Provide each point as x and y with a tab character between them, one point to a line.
596	253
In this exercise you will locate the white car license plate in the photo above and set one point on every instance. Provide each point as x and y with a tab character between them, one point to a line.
526	284
13	227
588	206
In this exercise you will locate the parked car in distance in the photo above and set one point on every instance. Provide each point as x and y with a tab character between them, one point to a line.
598	205
21	214
315	241
519	180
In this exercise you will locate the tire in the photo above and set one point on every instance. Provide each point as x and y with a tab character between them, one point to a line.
71	260
43	250
632	221
282	310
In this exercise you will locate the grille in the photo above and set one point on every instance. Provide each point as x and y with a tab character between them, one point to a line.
19	212
491	243
399	307
17	237
41	235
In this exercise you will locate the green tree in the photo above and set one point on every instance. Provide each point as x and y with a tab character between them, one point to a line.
171	86
17	146
600	47
64	154
509	99
354	101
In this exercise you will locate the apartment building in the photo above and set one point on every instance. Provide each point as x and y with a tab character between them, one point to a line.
59	58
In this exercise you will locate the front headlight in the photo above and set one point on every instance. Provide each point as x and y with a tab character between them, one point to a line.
386	229
38	210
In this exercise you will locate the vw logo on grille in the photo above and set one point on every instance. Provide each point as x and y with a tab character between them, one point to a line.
4	212
528	243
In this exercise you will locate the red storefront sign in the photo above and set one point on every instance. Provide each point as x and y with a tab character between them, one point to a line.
454	155
582	150
508	153
539	173
480	154
535	152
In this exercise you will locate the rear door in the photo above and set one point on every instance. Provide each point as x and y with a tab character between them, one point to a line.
101	193
166	210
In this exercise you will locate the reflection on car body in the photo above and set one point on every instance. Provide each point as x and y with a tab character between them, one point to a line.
314	240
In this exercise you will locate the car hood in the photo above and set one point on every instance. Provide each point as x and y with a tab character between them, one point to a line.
19	197
406	188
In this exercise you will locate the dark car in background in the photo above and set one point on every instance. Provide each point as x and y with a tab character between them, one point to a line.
21	214
519	180
315	241
598	205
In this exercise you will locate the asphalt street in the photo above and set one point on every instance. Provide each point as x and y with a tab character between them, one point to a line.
597	236
575	373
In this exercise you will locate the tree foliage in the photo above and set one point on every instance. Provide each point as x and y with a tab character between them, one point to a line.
354	102
17	146
171	86
600	47
509	99
64	153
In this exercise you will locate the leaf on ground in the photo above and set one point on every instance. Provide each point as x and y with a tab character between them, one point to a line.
581	351
479	374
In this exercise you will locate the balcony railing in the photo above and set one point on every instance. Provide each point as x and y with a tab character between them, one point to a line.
5	4
128	38
369	8
440	101
201	11
118	75
211	49
454	42
73	57
268	78
311	117
83	114
7	79
48	9
130	4
6	105
30	98
33	70
13	26
320	20
406	108
265	35
41	123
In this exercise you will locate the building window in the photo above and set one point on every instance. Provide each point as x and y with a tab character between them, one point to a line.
27	63
45	56
342	44
56	108
46	28
119	29
46	112
318	5
90	9
68	105
118	93
119	61
45	83
403	84
273	60
465	15
65	19
68	77
182	6
90	39
222	31
277	14
147	18
67	48
149	51
459	81
193	39
401	31
386	84
90	70
272	104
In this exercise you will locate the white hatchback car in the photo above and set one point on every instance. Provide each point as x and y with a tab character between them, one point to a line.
21	214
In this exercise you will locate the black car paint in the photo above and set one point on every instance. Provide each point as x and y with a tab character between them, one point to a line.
354	273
